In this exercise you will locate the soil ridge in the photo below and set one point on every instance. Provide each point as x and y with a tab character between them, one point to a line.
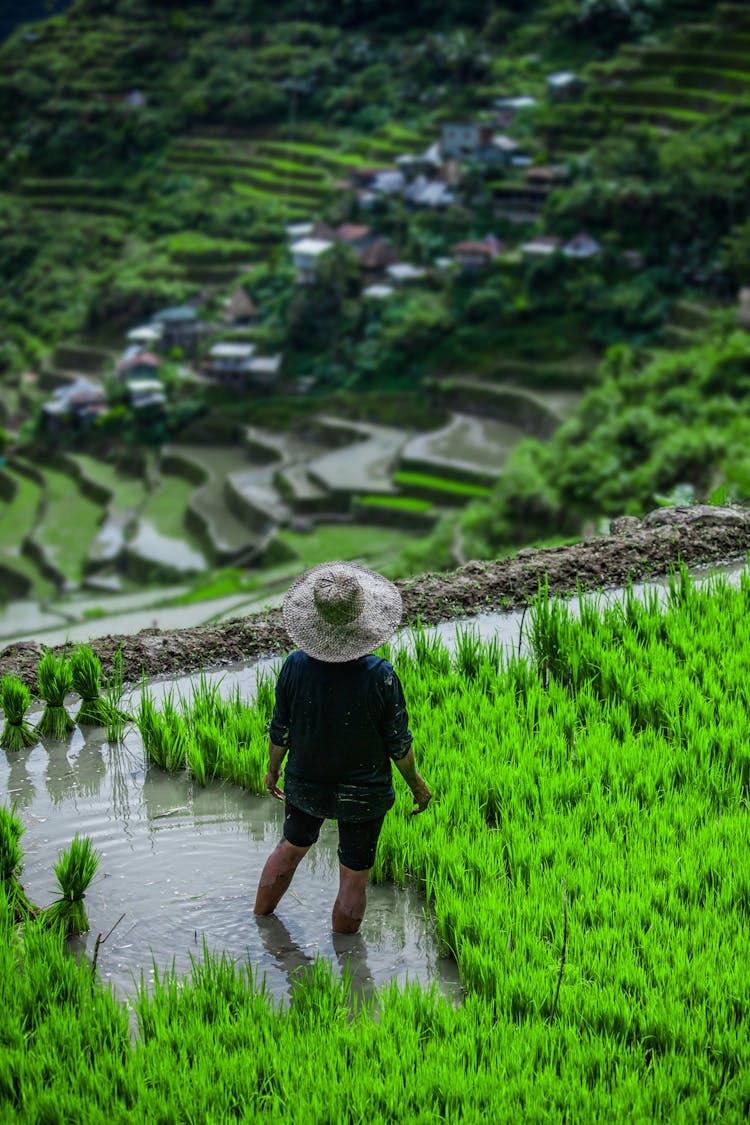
634	550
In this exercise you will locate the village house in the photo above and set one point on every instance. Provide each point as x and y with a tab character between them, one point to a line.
462	139
265	370
240	309
296	231
429	193
365	177
582	246
306	254
145	334
541	246
228	362
376	257
378	292
520	101
545	175
401	273
427	163
147	396
478	143
564	84
353	234
76	404
137	364
180	327
477	254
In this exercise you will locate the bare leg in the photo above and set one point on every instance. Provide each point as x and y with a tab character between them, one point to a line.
349	907
277	875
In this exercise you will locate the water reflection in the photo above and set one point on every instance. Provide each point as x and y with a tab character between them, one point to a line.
294	961
75	768
20	785
60	775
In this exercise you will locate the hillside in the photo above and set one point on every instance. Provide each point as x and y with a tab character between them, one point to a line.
157	155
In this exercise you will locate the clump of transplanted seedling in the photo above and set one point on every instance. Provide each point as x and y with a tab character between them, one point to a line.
15	698
55	679
163	733
96	710
11	864
210	735
74	870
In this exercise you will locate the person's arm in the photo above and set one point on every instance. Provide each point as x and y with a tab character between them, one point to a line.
398	738
278	733
407	767
276	755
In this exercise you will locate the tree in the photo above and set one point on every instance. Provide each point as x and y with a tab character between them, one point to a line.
314	316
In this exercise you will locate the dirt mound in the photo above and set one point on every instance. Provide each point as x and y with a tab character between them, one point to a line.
637	550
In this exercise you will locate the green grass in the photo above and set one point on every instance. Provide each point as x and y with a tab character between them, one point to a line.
440	484
397	503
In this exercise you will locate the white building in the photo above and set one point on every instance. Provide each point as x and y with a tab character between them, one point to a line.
378	292
582	246
403	272
306	254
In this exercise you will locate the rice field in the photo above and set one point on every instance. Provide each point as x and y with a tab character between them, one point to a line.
66	509
586	856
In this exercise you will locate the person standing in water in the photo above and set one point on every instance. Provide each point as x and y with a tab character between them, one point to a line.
341	716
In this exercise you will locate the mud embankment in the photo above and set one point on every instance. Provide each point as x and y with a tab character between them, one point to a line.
636	550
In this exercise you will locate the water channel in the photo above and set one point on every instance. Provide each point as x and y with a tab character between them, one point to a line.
181	863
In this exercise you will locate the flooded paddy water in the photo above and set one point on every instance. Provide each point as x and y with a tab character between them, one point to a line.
181	864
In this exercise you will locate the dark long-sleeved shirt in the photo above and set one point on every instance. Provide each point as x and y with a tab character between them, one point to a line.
343	724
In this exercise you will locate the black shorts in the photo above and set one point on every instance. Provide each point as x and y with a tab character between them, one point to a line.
358	839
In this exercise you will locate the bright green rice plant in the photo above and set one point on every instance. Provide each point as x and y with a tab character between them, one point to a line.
96	710
55	680
11	863
74	871
265	697
15	698
204	749
164	734
550	634
114	692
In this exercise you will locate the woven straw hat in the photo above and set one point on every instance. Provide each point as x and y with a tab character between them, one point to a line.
339	611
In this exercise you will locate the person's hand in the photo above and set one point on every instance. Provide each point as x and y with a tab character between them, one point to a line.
422	796
271	782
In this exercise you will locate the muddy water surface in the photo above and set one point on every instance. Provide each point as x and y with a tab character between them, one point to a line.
182	864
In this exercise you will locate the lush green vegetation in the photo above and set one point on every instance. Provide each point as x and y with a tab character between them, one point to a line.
654	423
169	173
585	856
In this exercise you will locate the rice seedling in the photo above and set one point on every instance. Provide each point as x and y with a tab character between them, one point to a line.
15	699
74	870
55	680
11	863
164	733
114	692
96	710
